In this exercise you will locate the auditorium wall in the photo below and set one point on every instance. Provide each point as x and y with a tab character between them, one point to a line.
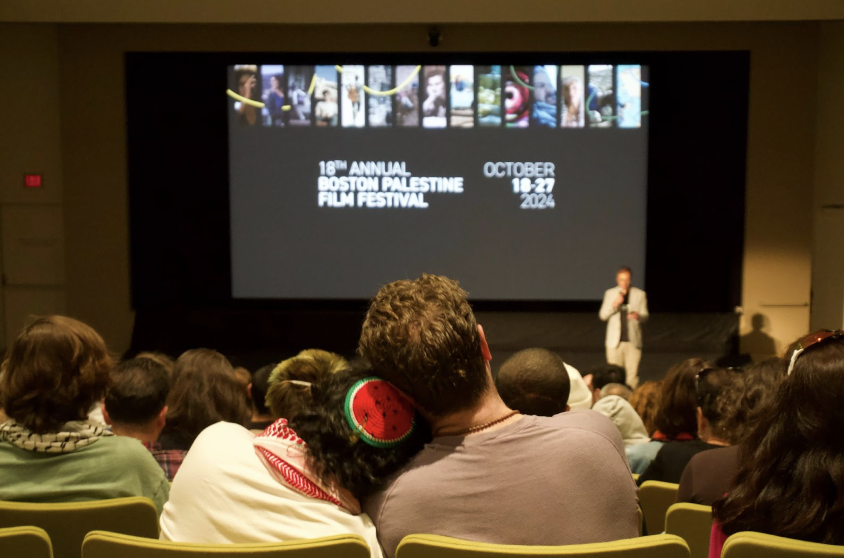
828	254
85	62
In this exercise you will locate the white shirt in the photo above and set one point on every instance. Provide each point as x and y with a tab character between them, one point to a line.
223	493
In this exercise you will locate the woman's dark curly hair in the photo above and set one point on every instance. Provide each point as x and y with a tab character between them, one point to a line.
790	481
751	392
677	409
334	452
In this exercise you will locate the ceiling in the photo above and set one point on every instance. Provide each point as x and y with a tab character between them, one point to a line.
404	11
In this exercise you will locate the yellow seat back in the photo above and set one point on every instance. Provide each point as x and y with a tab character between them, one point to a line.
28	542
100	544
430	546
758	545
693	523
656	497
68	523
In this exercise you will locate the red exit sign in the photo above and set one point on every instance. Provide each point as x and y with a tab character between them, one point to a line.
33	180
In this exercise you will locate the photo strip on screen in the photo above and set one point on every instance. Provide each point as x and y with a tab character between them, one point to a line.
245	84
273	96
434	105
407	97
380	78
544	111
629	96
572	80
462	96
353	114
299	80
489	96
517	103
326	108
600	99
439	96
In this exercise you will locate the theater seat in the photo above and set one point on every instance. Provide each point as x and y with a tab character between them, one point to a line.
656	497
68	523
693	523
758	545
100	544
657	546
28	542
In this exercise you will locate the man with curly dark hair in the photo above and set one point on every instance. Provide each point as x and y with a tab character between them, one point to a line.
490	473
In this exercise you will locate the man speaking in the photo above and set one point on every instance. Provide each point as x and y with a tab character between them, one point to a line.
624	309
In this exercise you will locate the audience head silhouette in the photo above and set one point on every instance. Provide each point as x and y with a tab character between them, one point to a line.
789	479
136	402
535	382
204	390
54	372
422	336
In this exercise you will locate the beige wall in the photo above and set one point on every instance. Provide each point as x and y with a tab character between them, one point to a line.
780	149
31	229
828	254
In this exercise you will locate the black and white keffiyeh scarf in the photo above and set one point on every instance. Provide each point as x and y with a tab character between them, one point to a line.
71	436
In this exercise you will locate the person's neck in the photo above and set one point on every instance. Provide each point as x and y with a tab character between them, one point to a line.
707	437
491	408
144	434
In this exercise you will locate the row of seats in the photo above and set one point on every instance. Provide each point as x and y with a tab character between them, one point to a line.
33	542
103	526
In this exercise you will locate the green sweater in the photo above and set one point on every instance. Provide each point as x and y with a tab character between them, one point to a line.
111	467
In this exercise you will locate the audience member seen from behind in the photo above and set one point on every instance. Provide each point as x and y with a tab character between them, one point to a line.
289	392
164	360
676	413
645	400
789	480
204	391
302	478
622	414
708	475
620	390
54	372
261	417
135	406
709	385
422	336
535	382
603	375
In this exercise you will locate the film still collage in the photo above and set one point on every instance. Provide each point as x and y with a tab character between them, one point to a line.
439	96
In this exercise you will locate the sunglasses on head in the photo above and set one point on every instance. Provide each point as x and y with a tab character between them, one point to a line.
698	377
812	339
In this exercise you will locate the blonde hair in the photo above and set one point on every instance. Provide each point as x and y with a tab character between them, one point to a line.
289	392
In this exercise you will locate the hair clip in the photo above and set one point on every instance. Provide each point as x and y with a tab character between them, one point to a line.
299	383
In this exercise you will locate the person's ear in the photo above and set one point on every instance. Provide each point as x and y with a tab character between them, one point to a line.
106	418
484	346
567	408
161	419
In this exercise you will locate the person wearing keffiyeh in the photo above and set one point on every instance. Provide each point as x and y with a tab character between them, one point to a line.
339	432
55	370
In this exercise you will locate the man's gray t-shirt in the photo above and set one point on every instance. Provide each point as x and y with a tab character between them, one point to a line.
538	481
